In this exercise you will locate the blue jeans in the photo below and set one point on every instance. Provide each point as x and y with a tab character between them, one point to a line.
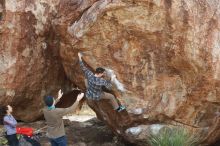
12	140
60	141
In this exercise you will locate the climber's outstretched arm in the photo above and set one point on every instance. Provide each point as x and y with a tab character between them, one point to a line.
86	71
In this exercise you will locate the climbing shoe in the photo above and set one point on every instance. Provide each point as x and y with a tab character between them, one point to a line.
121	108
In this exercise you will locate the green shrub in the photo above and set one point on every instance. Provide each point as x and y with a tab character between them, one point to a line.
3	141
173	137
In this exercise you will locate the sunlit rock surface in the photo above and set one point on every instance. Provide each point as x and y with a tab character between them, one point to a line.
165	53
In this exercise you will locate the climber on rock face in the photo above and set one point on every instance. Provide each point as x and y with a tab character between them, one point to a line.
95	82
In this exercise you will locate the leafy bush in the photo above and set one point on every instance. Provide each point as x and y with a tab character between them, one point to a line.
173	137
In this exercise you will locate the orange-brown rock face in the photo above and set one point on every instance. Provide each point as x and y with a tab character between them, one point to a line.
165	53
30	62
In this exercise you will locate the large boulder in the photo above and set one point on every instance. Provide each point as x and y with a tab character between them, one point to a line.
30	65
165	55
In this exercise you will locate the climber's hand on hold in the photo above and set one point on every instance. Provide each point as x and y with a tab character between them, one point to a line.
80	56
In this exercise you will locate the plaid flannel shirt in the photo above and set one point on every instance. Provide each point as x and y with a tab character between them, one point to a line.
95	84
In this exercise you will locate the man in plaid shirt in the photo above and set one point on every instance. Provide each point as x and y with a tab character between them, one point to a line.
95	83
